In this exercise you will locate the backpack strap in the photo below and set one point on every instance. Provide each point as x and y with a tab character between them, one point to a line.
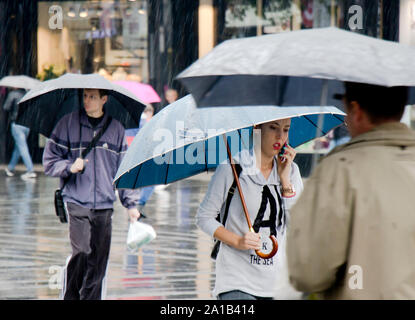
230	194
229	197
91	144
96	138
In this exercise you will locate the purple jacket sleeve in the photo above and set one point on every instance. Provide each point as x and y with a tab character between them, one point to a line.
56	151
128	197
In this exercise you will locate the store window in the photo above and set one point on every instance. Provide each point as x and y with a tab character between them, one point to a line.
242	18
105	37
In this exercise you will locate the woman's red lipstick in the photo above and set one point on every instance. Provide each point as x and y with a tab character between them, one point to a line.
277	146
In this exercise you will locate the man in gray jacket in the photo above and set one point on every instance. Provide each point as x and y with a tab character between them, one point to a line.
88	192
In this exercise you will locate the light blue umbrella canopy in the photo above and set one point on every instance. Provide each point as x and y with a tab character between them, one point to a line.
183	140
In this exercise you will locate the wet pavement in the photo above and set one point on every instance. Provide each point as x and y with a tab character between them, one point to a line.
34	245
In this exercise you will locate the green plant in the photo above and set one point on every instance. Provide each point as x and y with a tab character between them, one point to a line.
48	73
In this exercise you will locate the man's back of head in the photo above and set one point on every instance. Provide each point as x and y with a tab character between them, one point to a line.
370	105
379	102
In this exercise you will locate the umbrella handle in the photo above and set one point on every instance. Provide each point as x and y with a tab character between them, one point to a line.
248	220
273	251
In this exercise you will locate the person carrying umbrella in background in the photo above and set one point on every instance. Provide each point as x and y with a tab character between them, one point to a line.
351	233
18	84
272	183
145	192
20	134
89	193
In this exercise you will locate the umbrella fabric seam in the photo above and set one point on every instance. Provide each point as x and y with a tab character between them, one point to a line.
322	131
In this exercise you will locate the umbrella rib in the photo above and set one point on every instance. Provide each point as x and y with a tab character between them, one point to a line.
322	131
167	171
206	167
335	115
136	177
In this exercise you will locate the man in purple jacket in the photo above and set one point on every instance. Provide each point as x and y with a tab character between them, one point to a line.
88	193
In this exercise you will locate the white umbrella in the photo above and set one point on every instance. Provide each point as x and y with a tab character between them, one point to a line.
157	153
23	82
256	68
196	146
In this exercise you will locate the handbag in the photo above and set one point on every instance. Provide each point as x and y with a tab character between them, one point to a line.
60	206
60	209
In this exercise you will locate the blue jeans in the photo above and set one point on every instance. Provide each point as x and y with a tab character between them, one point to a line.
239	295
145	194
21	149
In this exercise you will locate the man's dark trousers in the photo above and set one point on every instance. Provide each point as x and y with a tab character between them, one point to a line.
90	235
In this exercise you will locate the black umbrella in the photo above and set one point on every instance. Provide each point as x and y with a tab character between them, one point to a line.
42	107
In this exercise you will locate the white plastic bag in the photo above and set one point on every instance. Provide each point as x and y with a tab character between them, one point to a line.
139	234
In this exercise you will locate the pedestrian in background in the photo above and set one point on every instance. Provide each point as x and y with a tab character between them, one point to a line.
145	192
89	194
340	136
352	230
171	95
271	184
20	134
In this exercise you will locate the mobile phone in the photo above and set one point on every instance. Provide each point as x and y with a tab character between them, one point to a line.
282	151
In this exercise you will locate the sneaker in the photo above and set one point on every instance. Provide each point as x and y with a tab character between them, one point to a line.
29	175
8	172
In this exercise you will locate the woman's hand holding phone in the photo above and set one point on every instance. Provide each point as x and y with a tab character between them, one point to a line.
284	161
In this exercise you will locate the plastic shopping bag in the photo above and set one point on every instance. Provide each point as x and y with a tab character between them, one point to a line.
139	234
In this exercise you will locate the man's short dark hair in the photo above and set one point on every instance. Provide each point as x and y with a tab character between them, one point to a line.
380	103
102	92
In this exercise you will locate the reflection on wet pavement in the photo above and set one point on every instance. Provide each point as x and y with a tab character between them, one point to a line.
34	245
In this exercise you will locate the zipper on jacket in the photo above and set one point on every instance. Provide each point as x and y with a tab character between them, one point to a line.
95	181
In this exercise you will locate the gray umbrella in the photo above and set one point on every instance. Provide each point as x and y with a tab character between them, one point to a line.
22	82
263	70
41	108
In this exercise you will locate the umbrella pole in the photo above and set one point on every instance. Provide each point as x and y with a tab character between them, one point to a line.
320	122
241	195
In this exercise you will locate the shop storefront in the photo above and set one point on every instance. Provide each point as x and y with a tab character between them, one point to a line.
153	40
247	18
149	41
110	38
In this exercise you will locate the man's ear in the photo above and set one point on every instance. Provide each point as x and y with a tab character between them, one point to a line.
105	99
356	111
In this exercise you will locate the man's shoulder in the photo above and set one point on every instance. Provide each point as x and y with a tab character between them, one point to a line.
69	116
116	124
67	121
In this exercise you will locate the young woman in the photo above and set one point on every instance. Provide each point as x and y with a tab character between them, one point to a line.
266	177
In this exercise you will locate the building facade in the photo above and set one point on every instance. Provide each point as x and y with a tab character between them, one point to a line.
153	40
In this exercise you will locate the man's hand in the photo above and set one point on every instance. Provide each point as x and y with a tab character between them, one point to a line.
134	214
78	165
